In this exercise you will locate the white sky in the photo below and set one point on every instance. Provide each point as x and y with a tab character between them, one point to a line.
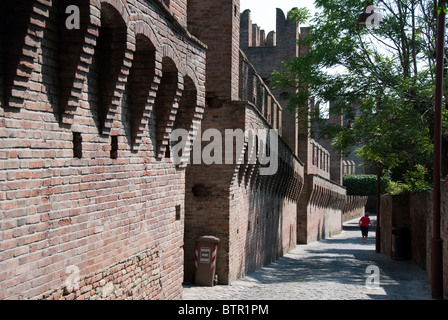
263	12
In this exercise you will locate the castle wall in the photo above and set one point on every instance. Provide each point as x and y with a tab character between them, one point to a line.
253	215
354	207
92	206
263	208
319	211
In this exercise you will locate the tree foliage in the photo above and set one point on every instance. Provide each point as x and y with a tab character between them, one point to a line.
381	79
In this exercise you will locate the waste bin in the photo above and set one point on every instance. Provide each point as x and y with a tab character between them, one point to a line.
401	243
205	260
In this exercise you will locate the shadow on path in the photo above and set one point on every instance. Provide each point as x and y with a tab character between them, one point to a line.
333	268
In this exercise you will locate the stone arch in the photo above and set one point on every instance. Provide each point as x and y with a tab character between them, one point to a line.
165	106
141	88
140	25
189	71
108	60
169	52
120	7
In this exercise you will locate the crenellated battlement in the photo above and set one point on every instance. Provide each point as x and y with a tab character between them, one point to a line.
251	35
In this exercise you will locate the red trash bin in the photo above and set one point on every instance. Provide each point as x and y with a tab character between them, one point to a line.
205	260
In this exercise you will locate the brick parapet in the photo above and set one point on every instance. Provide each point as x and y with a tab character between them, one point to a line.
254	90
319	163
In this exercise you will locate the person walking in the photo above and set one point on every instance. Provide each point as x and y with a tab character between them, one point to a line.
364	224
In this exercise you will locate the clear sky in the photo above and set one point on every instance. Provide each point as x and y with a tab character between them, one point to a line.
263	11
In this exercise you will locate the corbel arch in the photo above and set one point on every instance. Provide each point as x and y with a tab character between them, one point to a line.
141	86
111	46
166	105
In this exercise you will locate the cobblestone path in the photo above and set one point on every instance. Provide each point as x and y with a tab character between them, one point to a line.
330	269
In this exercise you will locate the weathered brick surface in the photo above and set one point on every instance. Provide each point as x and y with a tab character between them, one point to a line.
415	212
89	192
263	209
322	200
217	24
254	216
354	207
319	211
109	213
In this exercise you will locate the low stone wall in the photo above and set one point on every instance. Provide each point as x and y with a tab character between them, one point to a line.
354	207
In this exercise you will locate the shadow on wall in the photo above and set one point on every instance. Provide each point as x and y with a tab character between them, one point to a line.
264	230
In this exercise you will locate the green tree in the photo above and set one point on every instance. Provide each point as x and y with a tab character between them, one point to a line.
380	78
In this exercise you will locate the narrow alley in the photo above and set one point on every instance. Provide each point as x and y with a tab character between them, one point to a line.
338	268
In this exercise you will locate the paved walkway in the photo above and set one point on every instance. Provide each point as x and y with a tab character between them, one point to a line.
330	269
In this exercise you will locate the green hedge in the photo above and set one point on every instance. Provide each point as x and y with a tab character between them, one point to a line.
363	184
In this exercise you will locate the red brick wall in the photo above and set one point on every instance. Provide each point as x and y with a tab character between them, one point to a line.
253	216
217	24
269	57
110	214
207	194
320	205
402	211
421	210
443	234
263	209
354	207
319	211
179	9
415	211
386	224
